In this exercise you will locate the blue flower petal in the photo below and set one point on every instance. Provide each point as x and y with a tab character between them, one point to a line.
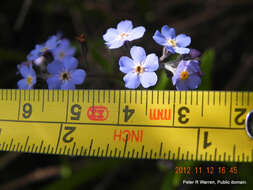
78	76
24	70
34	80
71	51
159	38
22	84
181	50
51	43
132	80
148	79
138	54
181	85
70	63
183	64
67	86
125	26
32	72
63	50
64	43
54	82
151	63
182	40
175	78
168	32
136	33
115	44
170	49
34	54
126	64
111	34
55	67
193	81
193	66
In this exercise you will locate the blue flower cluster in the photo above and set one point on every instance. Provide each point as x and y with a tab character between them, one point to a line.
55	63
140	68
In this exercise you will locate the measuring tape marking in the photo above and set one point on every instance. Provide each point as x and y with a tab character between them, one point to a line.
131	101
199	155
124	125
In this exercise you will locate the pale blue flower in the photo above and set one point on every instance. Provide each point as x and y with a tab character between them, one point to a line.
40	49
140	69
63	50
29	77
116	38
172	43
64	75
188	75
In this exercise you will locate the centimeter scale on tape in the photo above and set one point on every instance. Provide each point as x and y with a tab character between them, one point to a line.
144	124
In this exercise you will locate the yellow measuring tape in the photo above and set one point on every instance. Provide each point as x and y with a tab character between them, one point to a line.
179	125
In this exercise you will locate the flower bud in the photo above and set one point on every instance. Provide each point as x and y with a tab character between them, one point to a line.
194	53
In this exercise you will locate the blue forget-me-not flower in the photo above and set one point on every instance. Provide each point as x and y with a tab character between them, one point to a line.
29	77
63	50
187	75
172	43
116	38
39	50
64	75
140	69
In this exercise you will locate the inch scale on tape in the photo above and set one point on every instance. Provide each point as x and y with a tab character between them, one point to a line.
177	125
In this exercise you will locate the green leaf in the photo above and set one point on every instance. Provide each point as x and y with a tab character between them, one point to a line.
163	81
207	61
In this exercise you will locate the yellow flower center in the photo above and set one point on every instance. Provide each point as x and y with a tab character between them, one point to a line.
124	35
29	80
139	69
44	49
65	76
172	42
184	75
61	55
